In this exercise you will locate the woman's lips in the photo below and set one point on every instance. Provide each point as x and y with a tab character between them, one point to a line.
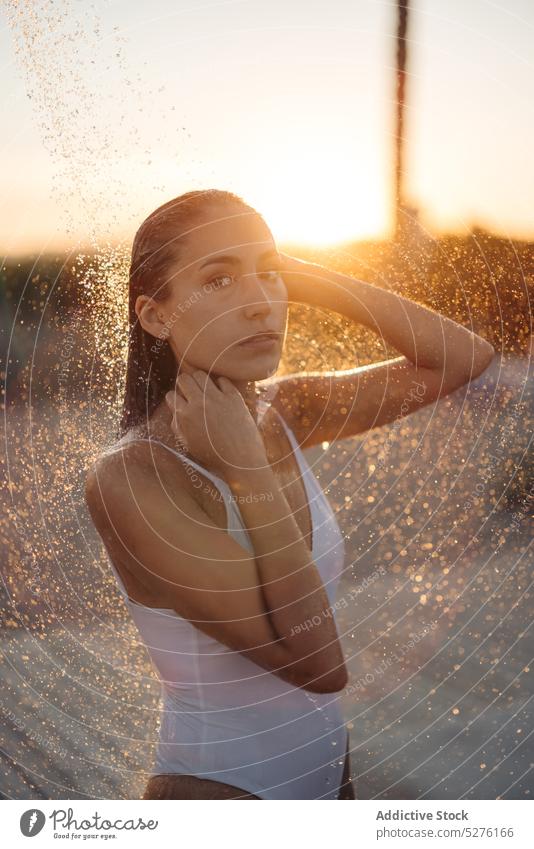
261	341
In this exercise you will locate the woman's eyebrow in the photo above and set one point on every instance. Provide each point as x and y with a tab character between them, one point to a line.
234	259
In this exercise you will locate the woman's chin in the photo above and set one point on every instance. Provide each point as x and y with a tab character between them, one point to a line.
254	372
249	366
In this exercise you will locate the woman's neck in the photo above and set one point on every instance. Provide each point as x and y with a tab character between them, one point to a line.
159	425
248	390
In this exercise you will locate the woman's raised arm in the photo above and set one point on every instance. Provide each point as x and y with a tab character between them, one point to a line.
439	356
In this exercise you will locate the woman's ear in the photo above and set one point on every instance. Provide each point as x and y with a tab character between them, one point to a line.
148	312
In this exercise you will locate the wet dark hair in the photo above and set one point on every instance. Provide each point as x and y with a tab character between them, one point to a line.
151	368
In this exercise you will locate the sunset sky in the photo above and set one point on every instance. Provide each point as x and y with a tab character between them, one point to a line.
289	104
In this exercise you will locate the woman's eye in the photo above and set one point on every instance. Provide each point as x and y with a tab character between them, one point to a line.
219	282
222	280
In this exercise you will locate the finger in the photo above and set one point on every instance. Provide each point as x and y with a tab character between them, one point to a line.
178	407
203	379
286	260
207	382
175	401
226	385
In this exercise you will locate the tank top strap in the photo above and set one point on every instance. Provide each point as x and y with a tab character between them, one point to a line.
235	525
316	496
290	434
218	482
303	463
234	521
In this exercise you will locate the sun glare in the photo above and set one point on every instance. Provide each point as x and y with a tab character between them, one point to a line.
322	203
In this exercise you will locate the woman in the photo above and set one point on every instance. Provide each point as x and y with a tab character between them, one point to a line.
220	537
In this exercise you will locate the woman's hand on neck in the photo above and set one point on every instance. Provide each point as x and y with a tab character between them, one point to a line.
246	387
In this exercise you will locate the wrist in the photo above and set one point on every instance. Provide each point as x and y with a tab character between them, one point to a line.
253	479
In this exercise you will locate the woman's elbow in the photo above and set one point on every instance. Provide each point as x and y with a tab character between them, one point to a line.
331	681
486	352
471	367
482	357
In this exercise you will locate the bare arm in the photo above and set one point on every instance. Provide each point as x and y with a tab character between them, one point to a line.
427	339
291	584
439	356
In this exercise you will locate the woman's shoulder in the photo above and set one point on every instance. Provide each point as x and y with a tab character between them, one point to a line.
145	448
129	472
149	456
145	455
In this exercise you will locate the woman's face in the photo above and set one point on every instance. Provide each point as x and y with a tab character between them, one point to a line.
216	303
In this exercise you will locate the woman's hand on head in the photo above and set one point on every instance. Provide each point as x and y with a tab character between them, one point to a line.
297	275
290	263
212	417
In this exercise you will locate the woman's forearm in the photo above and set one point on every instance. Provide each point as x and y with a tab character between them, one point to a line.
291	584
427	338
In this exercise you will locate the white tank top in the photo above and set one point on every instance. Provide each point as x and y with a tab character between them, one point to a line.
223	716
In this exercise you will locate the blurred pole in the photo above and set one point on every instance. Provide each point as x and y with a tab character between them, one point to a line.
402	28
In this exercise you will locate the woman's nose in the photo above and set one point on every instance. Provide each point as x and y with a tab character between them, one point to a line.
257	297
